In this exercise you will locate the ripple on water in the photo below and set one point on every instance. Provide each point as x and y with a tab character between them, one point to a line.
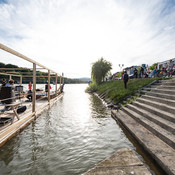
72	137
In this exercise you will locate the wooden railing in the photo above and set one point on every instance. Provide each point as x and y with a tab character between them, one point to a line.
13	52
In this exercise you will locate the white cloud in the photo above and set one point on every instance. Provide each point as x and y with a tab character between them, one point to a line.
68	36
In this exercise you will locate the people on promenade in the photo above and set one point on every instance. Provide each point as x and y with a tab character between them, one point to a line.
170	68
141	72
135	73
125	79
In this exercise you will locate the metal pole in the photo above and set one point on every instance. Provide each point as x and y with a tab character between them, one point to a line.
34	88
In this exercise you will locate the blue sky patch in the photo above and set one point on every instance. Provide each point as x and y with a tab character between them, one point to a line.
3	2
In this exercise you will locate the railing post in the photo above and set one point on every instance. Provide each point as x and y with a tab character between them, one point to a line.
21	80
60	81
34	88
63	77
10	77
48	85
56	86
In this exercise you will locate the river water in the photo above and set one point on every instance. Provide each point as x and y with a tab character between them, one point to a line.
69	139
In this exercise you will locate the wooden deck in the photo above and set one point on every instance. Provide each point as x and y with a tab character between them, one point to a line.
9	130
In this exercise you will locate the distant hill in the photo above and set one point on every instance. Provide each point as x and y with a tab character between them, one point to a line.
41	80
84	79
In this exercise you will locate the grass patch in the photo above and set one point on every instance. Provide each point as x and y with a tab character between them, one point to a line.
115	91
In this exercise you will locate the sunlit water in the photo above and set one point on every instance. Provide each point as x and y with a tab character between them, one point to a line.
69	139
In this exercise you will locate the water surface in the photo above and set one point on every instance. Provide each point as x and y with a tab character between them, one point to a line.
69	139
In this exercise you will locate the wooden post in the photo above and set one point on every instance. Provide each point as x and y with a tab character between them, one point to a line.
34	88
48	85
60	81
10	77
63	77
21	80
56	86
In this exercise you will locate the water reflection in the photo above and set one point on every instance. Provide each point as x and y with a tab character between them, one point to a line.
98	109
74	135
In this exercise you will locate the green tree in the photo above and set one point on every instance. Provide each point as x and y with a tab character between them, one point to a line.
2	65
99	70
10	66
153	66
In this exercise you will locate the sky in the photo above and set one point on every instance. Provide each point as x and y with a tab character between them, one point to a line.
70	35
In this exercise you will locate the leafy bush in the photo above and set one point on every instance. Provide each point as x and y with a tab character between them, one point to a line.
92	88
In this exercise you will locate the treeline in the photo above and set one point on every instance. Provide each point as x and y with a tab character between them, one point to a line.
28	72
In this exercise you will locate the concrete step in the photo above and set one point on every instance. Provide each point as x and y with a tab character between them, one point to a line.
166	115
162	153
160	132
167	81
166	87
156	84
169	126
169	84
161	100
147	89
169	92
124	161
157	105
160	95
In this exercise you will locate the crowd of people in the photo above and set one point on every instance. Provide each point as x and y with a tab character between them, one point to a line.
165	70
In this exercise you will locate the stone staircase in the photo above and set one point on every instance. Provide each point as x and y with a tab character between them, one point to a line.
151	121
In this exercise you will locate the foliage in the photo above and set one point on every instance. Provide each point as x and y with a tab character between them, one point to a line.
92	88
99	70
2	65
116	92
153	66
10	66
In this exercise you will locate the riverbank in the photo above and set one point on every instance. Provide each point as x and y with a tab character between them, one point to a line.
137	88
114	93
150	121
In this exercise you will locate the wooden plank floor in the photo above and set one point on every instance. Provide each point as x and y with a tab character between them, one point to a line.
9	130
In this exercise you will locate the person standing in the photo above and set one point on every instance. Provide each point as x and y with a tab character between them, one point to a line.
30	86
170	67
12	93
62	86
135	73
141	72
125	79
